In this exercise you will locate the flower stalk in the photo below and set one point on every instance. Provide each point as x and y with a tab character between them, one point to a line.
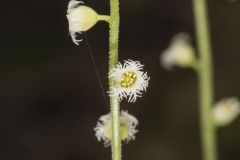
113	60
208	129
105	18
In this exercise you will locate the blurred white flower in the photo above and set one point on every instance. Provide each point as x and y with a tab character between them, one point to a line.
130	80
128	124
226	111
81	18
179	53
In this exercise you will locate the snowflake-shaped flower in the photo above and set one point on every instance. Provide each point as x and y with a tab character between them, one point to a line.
128	124
129	80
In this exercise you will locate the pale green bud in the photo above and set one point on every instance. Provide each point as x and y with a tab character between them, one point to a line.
226	111
180	53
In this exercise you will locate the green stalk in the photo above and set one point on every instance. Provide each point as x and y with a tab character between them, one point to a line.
208	131
113	60
105	18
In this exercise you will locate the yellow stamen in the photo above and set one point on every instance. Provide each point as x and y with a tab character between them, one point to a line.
128	79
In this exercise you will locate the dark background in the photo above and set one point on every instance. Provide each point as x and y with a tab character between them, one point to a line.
50	99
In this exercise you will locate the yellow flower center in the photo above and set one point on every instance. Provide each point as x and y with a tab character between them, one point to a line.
128	79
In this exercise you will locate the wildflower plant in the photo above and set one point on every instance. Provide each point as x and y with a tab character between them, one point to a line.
125	80
129	81
182	54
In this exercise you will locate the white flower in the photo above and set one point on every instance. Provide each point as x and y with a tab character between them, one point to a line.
81	18
130	81
179	53
226	111
128	124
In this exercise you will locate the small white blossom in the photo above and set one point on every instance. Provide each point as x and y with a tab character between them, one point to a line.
226	111
128	124
81	18
179	53
130	80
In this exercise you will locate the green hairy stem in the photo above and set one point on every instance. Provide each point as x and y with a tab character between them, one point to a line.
113	60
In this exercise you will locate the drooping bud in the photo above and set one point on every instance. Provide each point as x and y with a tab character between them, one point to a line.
81	18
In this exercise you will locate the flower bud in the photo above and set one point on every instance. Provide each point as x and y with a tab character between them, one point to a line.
226	111
128	124
81	18
179	53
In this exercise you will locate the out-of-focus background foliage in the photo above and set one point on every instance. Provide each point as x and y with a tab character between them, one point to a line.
50	99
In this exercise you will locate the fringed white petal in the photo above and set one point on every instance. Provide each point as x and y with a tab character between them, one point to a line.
73	4
74	38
